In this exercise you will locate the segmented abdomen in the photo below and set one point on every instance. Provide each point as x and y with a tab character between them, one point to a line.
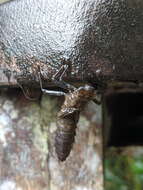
66	131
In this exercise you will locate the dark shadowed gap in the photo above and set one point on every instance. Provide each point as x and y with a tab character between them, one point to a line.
125	113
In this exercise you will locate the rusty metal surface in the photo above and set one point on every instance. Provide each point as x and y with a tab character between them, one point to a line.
100	40
27	154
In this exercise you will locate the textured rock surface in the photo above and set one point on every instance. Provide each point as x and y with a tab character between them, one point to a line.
27	156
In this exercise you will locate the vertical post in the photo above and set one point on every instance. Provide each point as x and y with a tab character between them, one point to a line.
29	162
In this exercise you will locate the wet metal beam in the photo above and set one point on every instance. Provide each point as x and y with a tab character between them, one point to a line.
100	41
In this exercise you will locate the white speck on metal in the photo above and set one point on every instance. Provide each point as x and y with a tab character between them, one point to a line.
98	70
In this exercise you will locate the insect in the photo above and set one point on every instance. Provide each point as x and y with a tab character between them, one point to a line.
68	116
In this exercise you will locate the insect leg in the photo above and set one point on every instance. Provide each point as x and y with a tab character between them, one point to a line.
25	94
50	92
98	102
65	67
57	79
53	93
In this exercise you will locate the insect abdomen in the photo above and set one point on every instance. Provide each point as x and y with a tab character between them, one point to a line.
65	134
63	144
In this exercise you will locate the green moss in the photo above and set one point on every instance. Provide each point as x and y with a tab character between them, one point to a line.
123	172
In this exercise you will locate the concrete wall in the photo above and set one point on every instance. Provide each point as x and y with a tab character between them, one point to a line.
27	156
